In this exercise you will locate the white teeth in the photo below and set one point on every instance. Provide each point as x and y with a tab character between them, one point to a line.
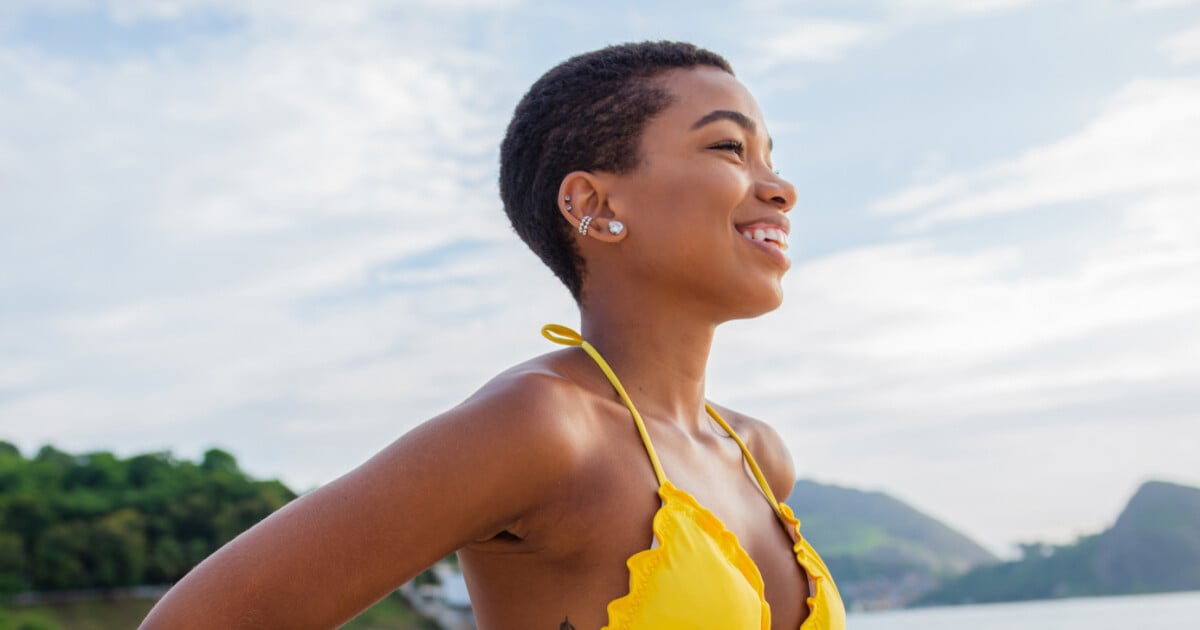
779	237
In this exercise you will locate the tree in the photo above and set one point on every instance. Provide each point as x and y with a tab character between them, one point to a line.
100	521
117	549
217	459
59	557
12	563
96	470
167	562
148	469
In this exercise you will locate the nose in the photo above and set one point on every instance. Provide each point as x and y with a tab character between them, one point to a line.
776	190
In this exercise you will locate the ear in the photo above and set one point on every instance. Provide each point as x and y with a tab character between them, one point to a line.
583	194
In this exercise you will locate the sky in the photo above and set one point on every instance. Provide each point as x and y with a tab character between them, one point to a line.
273	227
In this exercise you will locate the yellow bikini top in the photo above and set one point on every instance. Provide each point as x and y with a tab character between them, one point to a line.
699	577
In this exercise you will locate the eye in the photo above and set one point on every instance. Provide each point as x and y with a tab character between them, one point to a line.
731	145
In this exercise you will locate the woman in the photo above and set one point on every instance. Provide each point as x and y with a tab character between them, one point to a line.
641	175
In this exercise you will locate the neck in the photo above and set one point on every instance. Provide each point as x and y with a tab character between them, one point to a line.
657	353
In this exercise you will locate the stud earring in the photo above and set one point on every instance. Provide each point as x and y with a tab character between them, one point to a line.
615	227
583	225
567	198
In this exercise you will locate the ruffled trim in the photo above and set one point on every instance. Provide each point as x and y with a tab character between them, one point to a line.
642	564
813	567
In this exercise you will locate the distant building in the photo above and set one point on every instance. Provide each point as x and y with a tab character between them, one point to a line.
440	594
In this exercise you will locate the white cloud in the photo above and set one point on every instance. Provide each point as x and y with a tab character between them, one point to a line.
960	6
814	39
811	40
1183	47
1148	5
1146	140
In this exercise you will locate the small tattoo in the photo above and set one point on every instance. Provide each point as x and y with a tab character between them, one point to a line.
566	624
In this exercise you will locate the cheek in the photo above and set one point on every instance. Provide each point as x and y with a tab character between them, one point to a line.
686	208
704	197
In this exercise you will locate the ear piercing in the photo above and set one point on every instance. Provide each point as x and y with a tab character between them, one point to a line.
614	227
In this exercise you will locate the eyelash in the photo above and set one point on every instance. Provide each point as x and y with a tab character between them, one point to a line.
731	145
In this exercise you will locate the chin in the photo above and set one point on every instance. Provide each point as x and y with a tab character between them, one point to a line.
758	303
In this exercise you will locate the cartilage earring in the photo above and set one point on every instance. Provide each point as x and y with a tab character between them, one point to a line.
583	225
615	227
567	198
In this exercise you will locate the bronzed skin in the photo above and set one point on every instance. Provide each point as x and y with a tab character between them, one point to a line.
539	479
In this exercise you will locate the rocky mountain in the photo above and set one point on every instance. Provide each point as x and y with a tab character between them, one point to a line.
1154	546
1155	543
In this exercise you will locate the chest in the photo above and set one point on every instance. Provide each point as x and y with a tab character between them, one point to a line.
721	483
727	499
575	555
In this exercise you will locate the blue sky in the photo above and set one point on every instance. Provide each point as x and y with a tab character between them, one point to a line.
273	227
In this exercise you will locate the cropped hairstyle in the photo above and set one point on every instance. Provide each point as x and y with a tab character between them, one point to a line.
585	114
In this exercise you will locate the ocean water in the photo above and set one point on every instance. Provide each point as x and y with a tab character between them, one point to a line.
1169	611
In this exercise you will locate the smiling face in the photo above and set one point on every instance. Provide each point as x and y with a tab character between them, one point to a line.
704	208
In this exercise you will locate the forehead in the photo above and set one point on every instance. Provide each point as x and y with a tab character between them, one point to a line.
697	91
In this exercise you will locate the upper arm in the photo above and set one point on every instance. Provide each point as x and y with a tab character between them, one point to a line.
328	555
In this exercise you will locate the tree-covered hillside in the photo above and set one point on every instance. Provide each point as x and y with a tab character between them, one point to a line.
881	551
99	521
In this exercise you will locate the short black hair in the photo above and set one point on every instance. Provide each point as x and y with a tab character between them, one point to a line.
587	113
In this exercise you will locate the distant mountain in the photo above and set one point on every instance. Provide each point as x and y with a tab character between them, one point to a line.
881	551
1155	543
1153	546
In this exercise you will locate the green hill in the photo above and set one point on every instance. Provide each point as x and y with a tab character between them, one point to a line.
1154	546
881	551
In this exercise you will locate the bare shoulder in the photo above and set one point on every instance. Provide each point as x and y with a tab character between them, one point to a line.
519	427
535	417
768	448
530	404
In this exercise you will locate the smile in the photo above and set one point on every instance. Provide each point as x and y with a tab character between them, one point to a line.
773	236
770	238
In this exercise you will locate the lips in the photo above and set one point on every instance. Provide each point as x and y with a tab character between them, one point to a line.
770	237
771	234
769	229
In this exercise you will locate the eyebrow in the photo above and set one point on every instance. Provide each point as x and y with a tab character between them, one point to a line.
739	118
